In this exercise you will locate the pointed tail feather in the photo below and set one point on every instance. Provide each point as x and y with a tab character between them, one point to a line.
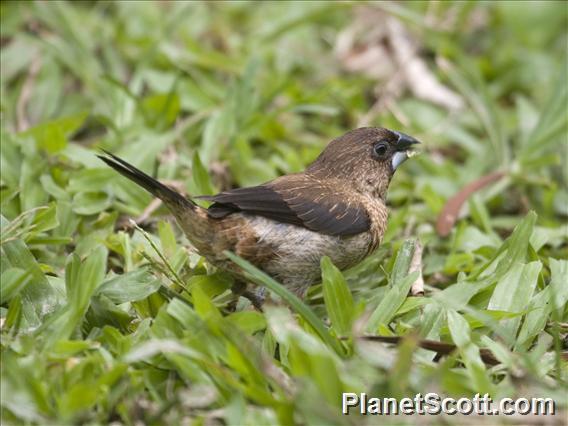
170	197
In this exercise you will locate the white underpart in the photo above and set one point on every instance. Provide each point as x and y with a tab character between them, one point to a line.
398	158
299	251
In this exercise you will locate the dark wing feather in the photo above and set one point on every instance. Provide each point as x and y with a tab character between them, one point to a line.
301	203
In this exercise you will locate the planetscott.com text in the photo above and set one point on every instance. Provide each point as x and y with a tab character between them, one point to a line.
433	404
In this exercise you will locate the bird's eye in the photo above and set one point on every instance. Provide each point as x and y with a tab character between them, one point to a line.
380	149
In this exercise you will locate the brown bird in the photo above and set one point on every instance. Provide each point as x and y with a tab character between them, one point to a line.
336	208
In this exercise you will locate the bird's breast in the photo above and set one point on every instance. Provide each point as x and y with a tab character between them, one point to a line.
298	251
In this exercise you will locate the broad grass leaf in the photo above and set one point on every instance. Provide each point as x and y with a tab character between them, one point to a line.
324	372
88	203
413	303
83	156
471	85
478	318
307	314
513	250
193	53
91	179
213	284
248	321
165	326
31	191
22	393
392	301
400	285
554	296
133	198
45	220
81	281
242	99
513	293
167	239
432	321
236	410
129	287
68	348
85	278
38	296
402	262
12	281
144	151
536	319
200	183
193	97
459	328
527	116
244	356
470	238
549	236
217	132
52	135
10	159
337	297
400	374
291	16
161	110
480	214
17	57
153	347
182	312
559	289
307	356
19	226
103	311
515	247
461	335
68	221
204	306
553	121
518	243
13	318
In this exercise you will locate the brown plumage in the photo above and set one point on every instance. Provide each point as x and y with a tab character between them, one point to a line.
335	208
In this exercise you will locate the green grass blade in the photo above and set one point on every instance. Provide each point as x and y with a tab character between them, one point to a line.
553	121
12	281
398	291
513	293
261	278
475	90
337	297
393	300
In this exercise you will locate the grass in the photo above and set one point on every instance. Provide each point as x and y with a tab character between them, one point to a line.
104	321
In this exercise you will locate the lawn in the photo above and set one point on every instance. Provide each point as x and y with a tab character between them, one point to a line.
108	314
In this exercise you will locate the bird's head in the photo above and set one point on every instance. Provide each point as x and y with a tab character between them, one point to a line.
364	158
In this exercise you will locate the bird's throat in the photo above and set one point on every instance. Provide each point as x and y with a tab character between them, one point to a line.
398	158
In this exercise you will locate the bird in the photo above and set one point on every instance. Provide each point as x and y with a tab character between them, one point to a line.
336	207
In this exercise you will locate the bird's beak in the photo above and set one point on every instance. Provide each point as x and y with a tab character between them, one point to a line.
402	146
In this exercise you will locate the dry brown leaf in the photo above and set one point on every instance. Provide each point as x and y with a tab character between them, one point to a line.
450	213
379	46
417	288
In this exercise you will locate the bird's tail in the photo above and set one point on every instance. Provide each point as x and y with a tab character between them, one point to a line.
171	198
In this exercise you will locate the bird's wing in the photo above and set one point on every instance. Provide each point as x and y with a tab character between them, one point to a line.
299	201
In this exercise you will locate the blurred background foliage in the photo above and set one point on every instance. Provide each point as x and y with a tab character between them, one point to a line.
103	321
